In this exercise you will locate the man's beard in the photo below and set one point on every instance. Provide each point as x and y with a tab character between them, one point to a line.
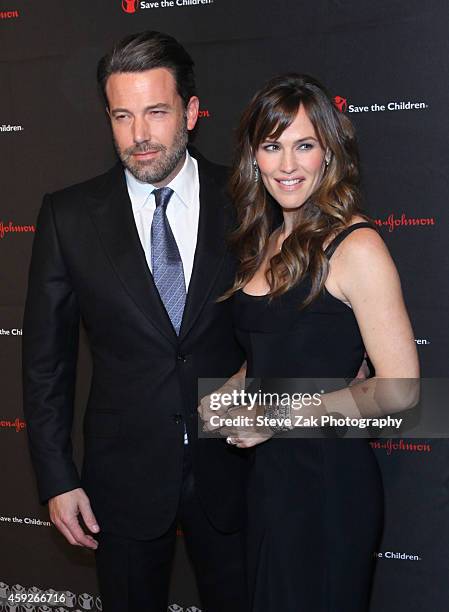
155	170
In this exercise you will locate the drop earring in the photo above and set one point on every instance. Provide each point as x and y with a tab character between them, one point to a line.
256	171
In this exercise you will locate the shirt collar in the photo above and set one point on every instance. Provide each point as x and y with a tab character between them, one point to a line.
183	185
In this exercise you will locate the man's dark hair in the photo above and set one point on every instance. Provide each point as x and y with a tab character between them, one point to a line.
147	50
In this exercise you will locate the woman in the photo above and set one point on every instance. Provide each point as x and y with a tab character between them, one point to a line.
312	293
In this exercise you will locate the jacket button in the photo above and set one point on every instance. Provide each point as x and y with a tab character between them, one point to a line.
181	358
177	418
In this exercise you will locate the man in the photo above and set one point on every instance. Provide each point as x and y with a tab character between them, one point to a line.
139	254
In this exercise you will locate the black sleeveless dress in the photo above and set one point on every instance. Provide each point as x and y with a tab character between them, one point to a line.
315	505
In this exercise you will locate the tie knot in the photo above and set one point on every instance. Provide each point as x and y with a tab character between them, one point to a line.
162	196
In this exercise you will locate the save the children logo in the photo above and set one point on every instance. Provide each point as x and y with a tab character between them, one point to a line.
129	6
15	331
132	6
389	554
341	103
344	106
7	127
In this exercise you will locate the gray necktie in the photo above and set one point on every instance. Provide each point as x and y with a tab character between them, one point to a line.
168	271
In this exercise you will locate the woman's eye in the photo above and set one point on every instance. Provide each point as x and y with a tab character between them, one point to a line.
271	147
305	146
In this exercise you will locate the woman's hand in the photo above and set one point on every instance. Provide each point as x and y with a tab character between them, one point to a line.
244	431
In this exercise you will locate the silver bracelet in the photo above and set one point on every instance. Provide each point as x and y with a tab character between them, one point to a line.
280	413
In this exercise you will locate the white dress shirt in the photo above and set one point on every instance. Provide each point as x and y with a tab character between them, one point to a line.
183	211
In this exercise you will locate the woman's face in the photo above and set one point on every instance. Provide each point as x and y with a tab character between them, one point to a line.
291	167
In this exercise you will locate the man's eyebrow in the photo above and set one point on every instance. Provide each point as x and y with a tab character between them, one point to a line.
158	106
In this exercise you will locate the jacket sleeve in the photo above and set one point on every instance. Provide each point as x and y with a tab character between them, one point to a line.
49	358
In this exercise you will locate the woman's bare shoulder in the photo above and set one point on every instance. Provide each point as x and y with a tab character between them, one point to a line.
355	237
362	249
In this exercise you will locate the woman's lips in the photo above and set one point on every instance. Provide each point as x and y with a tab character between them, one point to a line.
291	184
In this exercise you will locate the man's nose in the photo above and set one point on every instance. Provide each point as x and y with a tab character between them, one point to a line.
141	130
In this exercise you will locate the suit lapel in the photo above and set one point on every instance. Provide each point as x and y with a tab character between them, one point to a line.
113	217
210	246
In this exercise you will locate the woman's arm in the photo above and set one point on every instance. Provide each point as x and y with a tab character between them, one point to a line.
364	276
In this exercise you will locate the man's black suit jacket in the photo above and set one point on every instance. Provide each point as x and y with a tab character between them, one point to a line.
88	262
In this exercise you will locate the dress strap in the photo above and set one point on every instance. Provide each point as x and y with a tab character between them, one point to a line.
330	249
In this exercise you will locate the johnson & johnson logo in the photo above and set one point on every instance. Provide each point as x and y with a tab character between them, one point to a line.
394	105
9	14
18	424
10	228
390	446
392	222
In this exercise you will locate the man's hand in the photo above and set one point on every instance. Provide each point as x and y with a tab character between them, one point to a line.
206	412
64	510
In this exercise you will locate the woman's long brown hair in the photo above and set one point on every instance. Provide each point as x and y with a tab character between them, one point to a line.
328	210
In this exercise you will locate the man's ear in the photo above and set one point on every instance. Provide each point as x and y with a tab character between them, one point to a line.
192	110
